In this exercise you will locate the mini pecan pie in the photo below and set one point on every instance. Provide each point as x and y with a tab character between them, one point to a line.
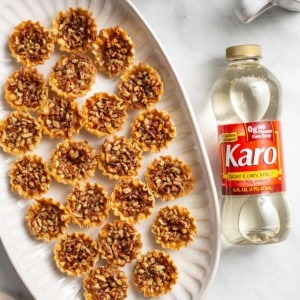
132	200
46	219
169	178
72	76
119	243
31	43
105	283
88	204
140	86
104	114
155	273
19	133
174	227
60	117
75	30
119	157
25	89
73	161
76	253
29	176
153	130
113	51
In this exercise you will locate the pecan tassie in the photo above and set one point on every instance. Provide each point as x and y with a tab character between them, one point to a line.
31	43
113	50
26	89
19	133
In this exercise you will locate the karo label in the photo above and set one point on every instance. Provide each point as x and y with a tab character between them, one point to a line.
251	158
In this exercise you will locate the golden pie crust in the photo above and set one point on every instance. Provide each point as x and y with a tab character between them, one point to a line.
119	243
104	114
88	204
105	282
46	219
31	43
72	76
155	273
30	176
169	178
174	227
60	117
113	50
76	253
74	30
119	157
26	89
140	86
153	130
19	133
72	162
132	201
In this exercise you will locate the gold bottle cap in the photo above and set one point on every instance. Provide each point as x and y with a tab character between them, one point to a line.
243	51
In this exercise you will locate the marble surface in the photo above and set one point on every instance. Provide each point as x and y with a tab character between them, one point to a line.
194	34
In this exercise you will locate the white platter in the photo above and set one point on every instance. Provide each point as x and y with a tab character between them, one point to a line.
33	260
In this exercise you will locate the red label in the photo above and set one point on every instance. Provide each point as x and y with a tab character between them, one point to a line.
251	158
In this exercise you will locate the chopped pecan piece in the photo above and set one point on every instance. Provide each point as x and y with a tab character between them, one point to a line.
169	178
26	89
31	43
46	219
119	243
174	227
30	176
113	50
155	273
140	86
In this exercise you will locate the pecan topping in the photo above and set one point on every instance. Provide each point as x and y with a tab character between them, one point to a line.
31	43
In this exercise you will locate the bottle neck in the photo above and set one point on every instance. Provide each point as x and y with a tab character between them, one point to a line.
247	60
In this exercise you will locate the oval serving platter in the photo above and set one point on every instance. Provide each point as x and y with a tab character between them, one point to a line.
33	260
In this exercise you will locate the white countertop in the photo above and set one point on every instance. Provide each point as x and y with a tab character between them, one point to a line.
194	34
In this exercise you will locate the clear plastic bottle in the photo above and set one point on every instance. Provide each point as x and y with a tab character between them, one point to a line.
246	101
